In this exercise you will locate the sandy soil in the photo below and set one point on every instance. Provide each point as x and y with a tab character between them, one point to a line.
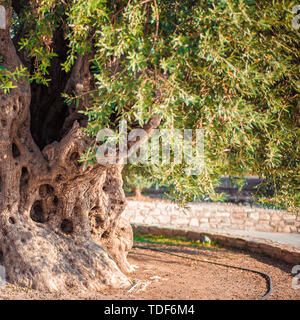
161	276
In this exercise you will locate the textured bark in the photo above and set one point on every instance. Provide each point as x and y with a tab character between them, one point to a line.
60	223
137	192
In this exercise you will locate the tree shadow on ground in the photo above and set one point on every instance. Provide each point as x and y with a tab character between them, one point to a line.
265	259
209	252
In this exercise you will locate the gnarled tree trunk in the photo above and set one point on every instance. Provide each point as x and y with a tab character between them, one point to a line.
60	223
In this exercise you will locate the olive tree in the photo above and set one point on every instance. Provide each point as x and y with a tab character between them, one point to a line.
70	68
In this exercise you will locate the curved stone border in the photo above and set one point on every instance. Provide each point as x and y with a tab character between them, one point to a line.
283	252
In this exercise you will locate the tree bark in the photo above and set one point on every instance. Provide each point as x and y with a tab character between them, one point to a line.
137	192
60	223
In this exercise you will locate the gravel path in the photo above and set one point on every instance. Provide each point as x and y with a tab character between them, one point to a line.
292	239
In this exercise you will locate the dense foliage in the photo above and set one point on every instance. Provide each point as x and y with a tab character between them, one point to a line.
229	67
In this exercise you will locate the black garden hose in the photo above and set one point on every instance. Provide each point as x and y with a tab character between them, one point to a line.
264	275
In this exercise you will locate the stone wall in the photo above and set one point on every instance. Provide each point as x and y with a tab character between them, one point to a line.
210	216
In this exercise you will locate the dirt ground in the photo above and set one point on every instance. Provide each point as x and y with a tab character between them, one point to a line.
164	277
